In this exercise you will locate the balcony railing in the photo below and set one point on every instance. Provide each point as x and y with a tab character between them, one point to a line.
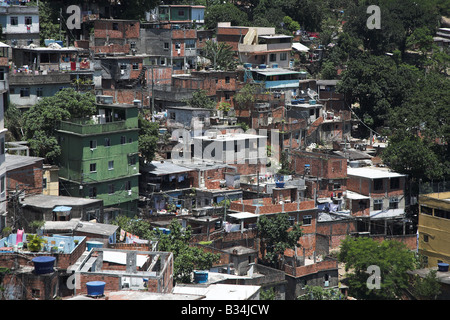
85	126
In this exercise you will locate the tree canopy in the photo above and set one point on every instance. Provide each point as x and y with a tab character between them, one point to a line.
186	258
148	138
277	234
41	120
220	54
392	258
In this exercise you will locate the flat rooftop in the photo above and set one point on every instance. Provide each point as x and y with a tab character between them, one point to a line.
372	173
49	202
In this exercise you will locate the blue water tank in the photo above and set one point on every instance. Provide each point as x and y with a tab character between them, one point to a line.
279	184
442	267
262	66
94	244
44	264
95	288
247	65
200	276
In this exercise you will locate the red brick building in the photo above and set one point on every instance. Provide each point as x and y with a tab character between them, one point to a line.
24	174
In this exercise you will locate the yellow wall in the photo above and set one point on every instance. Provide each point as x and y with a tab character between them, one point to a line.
51	174
437	229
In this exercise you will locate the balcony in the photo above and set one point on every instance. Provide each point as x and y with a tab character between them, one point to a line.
86	126
38	78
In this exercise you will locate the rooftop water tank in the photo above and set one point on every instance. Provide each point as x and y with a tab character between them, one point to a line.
247	65
93	244
95	288
44	264
200	276
279	184
443	267
262	66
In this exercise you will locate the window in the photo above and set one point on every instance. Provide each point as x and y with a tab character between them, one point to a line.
24	92
123	140
110	188
93	144
28	20
425	238
111	165
189	44
130	140
273	57
107	142
166	46
442	213
283	56
395	183
307	220
378	184
393	203
132	160
132	44
93	167
115	26
227	96
426	210
181	13
14	21
177	45
2	146
172	115
35	293
128	185
123	66
227	79
39	92
44	183
135	66
378	204
92	192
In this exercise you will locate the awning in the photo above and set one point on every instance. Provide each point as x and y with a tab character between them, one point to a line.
300	47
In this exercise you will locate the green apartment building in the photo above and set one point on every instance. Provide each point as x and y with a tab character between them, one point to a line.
99	158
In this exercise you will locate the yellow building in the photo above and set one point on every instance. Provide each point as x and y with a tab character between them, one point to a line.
434	228
50	180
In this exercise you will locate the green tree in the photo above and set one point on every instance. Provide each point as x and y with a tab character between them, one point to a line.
246	96
319	293
224	12
220	54
200	99
41	120
148	138
328	70
14	122
426	288
277	234
392	258
290	24
420	130
377	85
141	228
49	27
186	257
